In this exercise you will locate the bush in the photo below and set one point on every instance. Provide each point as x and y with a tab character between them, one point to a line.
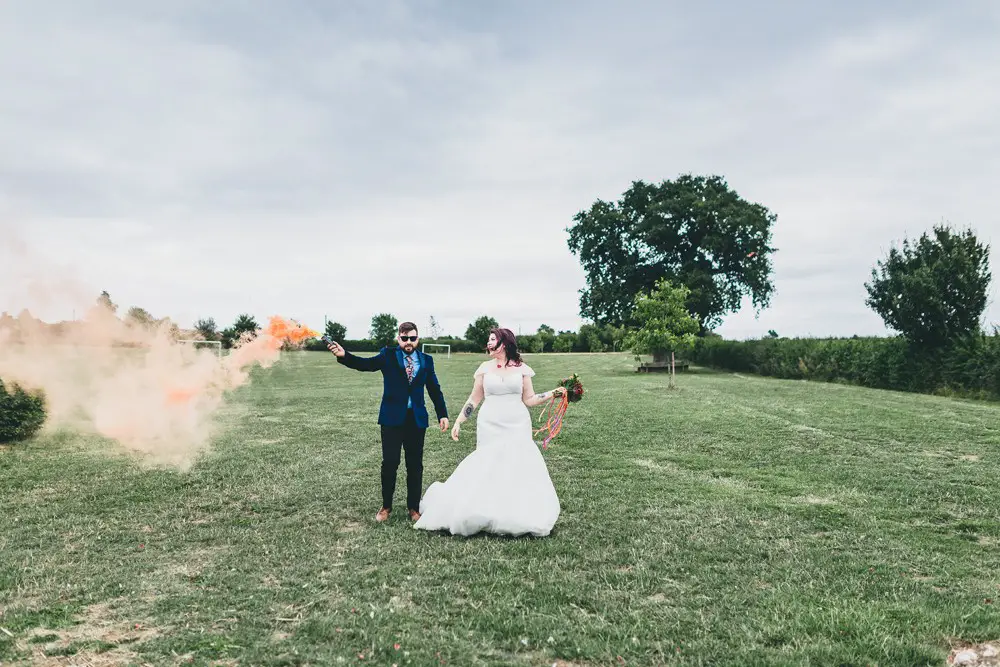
530	343
969	367
564	342
315	345
21	413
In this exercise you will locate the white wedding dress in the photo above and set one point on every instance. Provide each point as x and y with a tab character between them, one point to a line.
503	486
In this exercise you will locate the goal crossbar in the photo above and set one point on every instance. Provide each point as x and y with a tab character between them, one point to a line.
447	347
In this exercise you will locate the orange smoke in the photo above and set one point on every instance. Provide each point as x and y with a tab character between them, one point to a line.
175	396
281	330
260	348
135	384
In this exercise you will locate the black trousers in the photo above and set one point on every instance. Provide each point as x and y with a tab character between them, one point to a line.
410	438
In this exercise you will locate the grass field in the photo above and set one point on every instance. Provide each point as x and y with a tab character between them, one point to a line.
733	521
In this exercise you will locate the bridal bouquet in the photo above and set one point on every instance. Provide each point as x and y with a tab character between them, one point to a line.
574	392
573	387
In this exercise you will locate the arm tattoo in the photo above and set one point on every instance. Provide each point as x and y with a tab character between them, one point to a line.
468	410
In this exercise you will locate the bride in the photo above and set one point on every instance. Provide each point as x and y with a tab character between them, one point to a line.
503	486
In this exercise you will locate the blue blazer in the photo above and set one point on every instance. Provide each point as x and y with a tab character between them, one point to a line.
396	388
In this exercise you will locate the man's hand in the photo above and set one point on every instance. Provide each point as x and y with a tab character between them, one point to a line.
336	348
443	424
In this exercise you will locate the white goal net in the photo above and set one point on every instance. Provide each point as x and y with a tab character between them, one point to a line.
446	347
214	345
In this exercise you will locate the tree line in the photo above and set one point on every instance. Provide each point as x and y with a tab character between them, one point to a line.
692	249
666	262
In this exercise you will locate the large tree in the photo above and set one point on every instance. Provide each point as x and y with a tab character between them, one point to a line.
335	331
694	231
479	331
932	290
383	328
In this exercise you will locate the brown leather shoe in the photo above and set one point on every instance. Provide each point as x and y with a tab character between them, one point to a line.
414	515
382	515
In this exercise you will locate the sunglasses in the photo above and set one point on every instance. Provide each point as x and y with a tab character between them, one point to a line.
412	339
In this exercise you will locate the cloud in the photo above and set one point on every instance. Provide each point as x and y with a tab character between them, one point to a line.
346	159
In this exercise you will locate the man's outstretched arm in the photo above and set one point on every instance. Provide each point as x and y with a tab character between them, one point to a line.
357	363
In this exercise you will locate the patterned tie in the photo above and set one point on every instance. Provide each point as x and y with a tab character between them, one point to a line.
409	367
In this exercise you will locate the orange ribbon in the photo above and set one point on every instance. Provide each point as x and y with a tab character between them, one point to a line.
554	424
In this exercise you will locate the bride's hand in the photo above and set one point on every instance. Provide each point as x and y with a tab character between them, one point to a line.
559	391
455	431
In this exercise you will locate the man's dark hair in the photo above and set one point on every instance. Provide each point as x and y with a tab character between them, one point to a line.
407	326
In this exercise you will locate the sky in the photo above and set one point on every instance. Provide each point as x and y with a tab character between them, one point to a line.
317	159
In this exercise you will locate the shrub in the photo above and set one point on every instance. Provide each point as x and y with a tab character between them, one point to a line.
564	342
22	413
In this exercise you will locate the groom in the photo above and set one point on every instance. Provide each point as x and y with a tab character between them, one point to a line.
402	415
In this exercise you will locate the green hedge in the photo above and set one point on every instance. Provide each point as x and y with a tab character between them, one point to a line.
22	413
970	367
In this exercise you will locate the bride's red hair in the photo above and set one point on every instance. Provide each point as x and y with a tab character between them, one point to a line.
506	338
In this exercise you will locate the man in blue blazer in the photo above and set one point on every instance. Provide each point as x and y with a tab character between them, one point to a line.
403	417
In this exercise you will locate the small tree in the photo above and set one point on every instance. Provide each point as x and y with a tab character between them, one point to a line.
590	338
139	317
207	329
546	336
104	300
479	331
934	290
245	326
22	413
383	328
613	337
666	325
335	331
166	326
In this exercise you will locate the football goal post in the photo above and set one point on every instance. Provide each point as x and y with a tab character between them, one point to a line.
446	347
203	344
